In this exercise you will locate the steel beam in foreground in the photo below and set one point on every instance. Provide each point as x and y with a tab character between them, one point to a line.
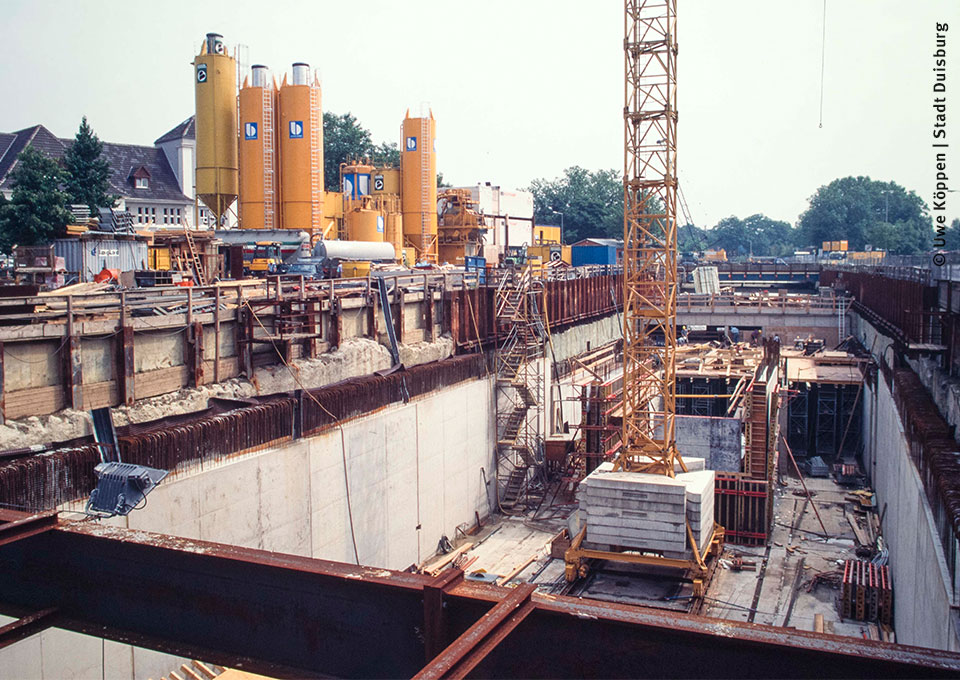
282	614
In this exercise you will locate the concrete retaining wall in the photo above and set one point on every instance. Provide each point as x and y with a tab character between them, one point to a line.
923	593
719	441
416	472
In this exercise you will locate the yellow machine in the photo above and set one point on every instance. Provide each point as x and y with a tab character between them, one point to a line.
158	258
387	184
545	253
354	270
215	80
301	152
259	196
332	216
543	234
267	257
460	226
419	166
715	255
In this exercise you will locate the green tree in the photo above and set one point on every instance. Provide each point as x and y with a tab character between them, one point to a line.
344	139
591	203
86	178
36	212
692	239
857	208
386	153
754	235
952	235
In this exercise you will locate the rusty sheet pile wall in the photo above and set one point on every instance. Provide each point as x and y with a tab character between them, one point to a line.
904	303
45	481
935	454
472	312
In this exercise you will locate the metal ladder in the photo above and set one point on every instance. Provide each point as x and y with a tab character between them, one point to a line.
426	239
269	161
316	164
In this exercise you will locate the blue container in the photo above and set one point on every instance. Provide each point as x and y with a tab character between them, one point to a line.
587	254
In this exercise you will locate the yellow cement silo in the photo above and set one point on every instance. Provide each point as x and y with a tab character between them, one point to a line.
215	82
259	184
419	192
301	151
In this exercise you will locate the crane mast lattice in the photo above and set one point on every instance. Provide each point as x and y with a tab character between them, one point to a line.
650	237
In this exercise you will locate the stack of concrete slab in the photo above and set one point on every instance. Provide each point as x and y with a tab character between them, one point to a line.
700	491
693	464
647	512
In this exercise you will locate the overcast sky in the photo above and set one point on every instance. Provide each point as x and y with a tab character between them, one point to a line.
525	88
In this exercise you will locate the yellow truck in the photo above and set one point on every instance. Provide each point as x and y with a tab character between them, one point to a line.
265	259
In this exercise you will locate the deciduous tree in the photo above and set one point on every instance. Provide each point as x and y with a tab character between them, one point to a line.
867	212
36	212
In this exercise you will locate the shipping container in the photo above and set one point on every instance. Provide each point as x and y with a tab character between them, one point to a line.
87	257
477	264
581	255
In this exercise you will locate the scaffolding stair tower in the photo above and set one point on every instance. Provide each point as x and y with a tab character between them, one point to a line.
520	391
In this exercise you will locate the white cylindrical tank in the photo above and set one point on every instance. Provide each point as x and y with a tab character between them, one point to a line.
372	251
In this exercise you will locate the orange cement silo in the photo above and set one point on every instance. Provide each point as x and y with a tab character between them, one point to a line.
301	151
259	185
419	191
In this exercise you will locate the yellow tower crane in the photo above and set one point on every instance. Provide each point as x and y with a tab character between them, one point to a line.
648	437
650	238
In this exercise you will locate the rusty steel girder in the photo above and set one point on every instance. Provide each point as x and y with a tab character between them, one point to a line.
284	614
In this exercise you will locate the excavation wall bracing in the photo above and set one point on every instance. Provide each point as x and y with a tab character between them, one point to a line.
48	480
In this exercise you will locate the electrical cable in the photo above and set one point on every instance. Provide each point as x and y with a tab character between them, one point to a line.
823	57
44	360
343	440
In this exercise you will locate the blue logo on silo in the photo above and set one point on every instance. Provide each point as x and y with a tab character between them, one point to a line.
379	224
296	129
411	143
249	130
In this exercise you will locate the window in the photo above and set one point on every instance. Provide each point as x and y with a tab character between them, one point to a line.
142	183
140	215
